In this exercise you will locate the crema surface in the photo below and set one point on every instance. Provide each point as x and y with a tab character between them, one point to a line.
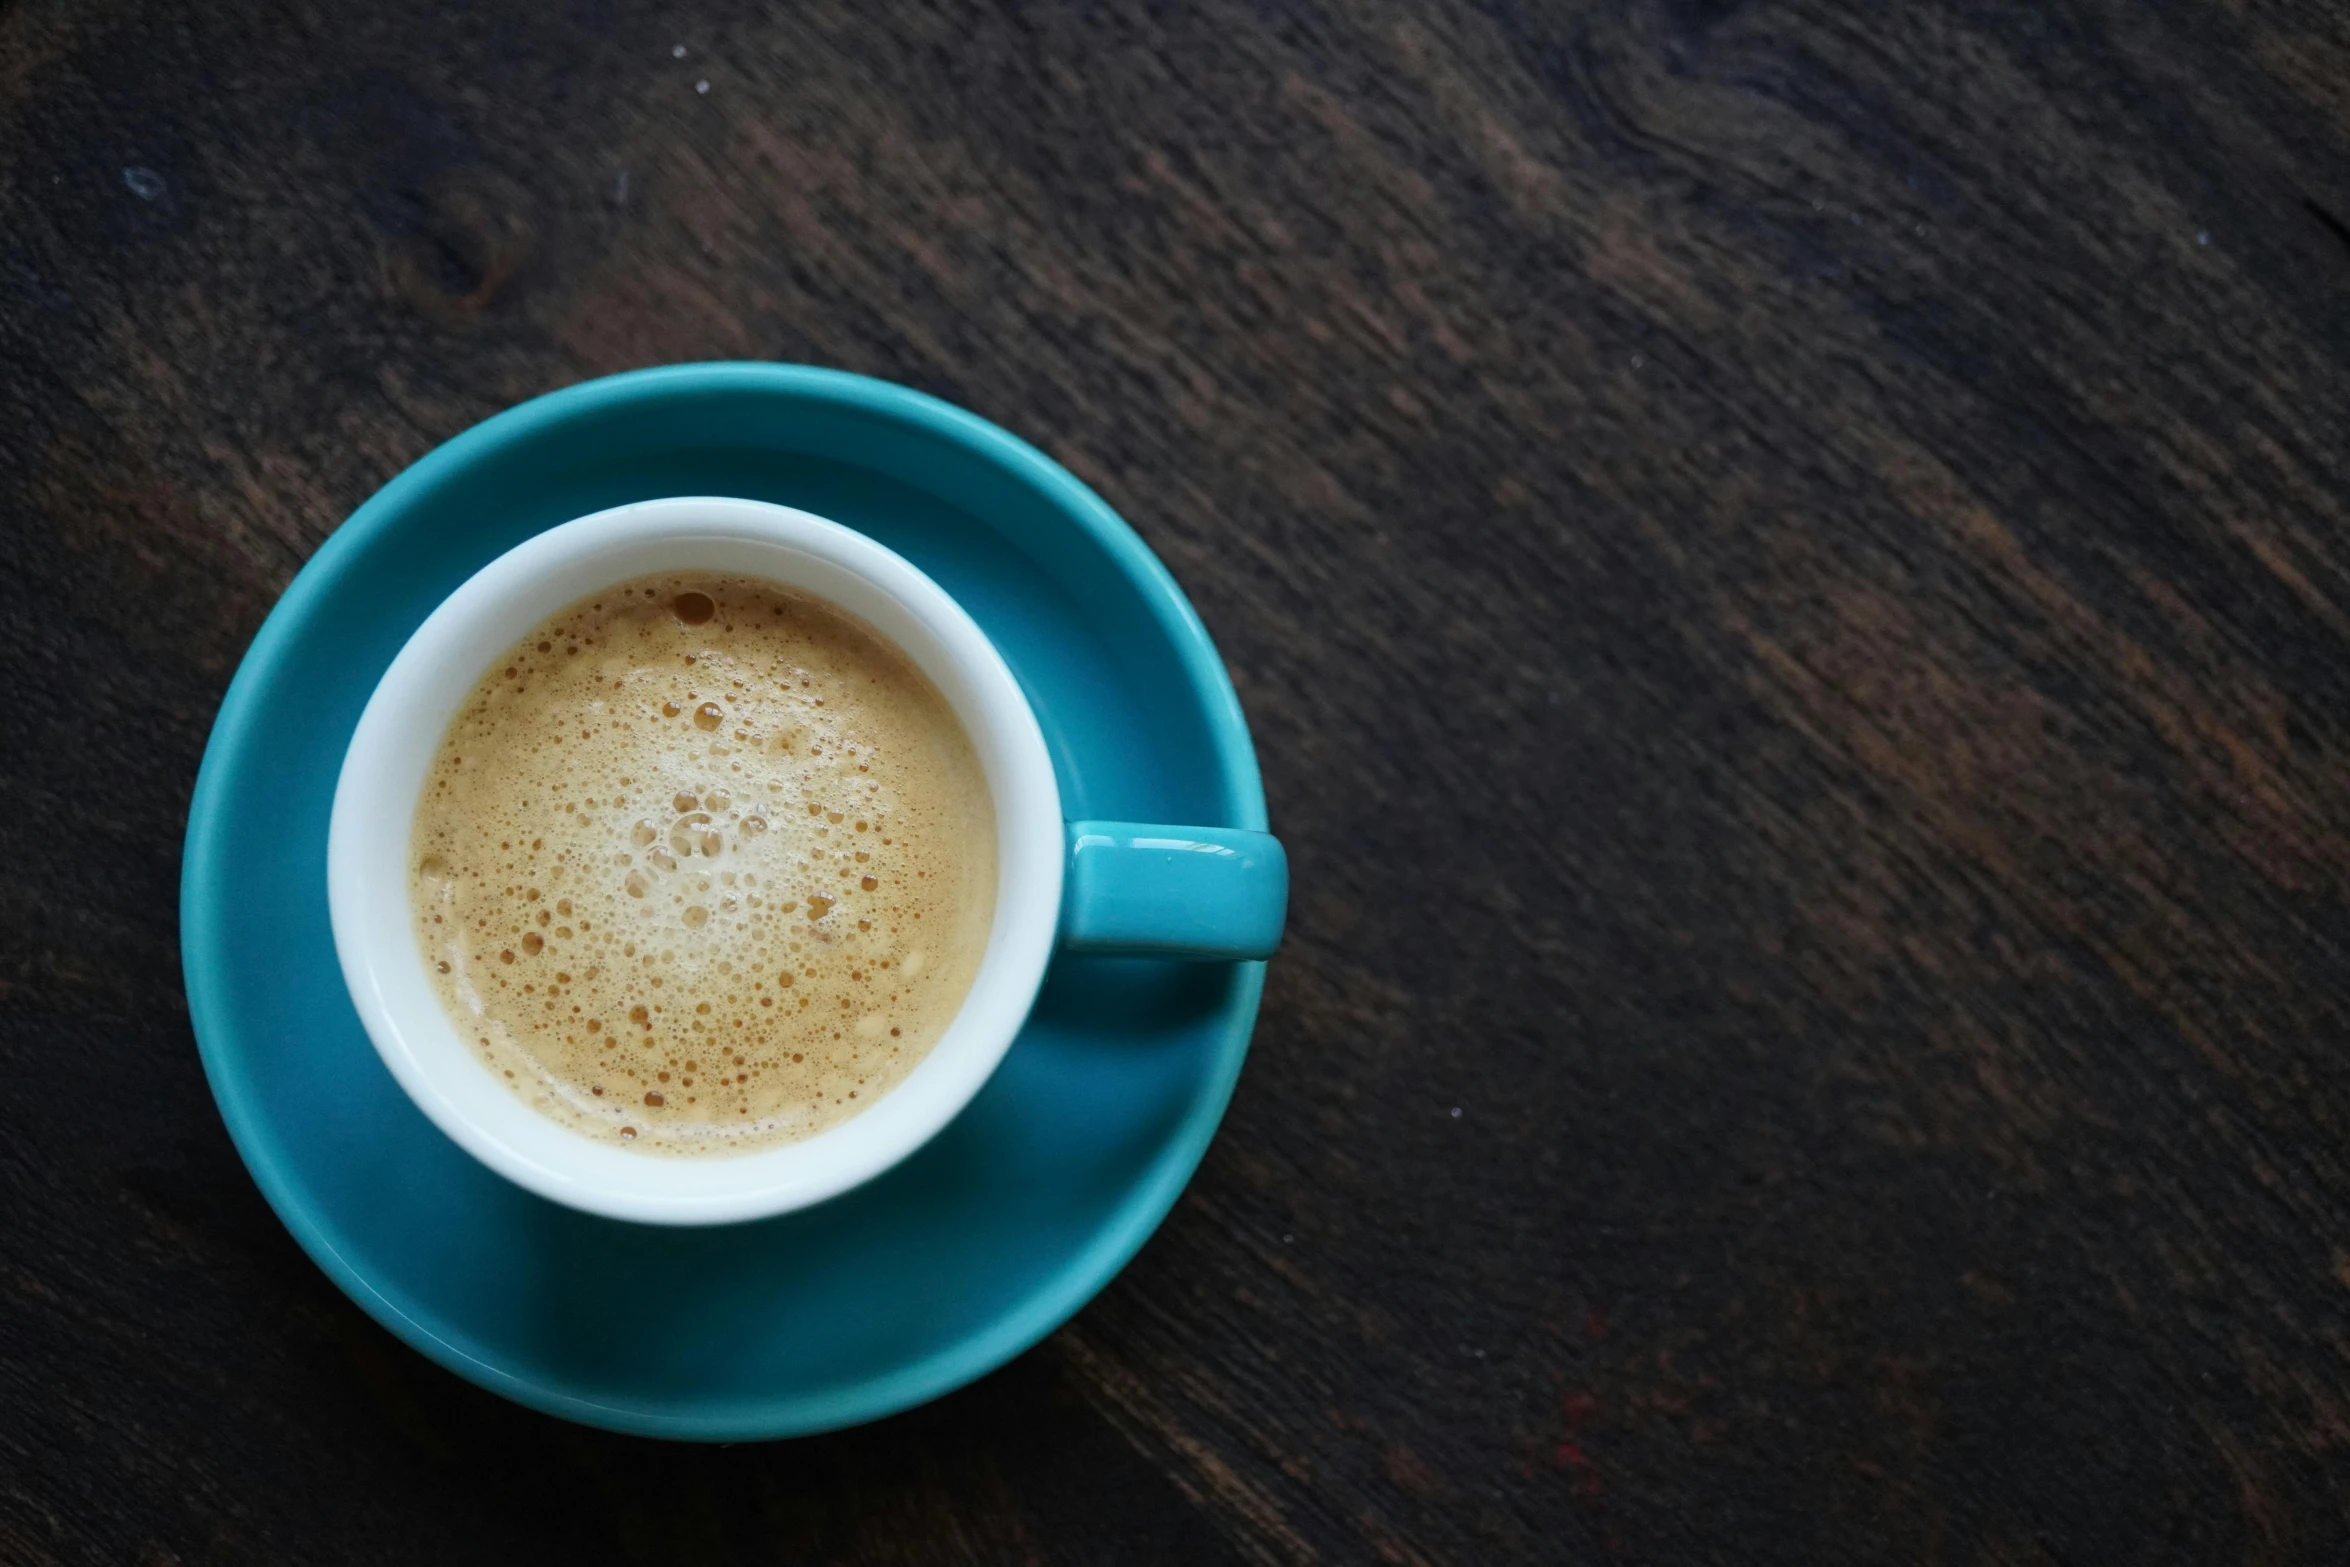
703	864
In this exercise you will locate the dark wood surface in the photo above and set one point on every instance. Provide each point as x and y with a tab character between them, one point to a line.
1791	570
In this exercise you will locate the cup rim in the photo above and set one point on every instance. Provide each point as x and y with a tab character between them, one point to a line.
400	729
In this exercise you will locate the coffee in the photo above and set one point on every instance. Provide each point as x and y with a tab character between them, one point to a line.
703	864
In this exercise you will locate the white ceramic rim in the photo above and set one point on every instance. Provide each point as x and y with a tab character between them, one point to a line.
384	771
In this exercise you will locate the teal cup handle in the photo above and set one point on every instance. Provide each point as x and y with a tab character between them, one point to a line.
1208	894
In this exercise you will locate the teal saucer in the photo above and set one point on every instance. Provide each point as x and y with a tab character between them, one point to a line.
904	1289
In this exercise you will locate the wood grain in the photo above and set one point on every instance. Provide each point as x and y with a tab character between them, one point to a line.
1790	566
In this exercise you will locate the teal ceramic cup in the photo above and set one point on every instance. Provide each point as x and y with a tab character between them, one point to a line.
1201	894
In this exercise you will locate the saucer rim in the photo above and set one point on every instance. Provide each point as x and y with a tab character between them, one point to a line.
1084	1272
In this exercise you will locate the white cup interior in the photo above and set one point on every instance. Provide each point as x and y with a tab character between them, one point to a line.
384	772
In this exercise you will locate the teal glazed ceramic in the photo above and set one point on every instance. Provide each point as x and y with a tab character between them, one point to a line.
1194	892
955	1260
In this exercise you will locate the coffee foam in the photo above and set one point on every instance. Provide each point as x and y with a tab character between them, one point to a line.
703	864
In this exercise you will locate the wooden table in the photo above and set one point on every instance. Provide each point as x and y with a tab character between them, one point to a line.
1791	570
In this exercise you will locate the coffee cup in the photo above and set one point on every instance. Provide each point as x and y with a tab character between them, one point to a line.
1188	893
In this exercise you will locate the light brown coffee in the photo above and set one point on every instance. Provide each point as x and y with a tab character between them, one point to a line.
703	864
